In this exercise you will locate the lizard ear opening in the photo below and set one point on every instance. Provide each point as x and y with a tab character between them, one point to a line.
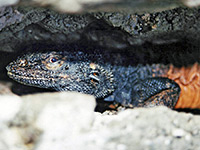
94	78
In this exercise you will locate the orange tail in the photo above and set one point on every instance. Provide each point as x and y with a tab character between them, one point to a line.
189	82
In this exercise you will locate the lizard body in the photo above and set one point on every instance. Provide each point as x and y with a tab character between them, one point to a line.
132	86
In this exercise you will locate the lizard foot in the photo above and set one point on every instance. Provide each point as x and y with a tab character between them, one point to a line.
154	92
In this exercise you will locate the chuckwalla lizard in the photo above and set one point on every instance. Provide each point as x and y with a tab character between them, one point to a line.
131	86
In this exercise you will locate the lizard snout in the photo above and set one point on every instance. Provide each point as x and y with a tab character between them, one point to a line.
8	67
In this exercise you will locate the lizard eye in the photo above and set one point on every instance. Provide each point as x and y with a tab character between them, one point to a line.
53	60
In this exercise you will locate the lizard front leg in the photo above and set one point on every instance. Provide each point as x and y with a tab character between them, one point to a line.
155	91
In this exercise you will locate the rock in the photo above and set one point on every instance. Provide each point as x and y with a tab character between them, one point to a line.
70	6
9	16
5	88
191	3
54	116
9	107
142	128
9	137
8	2
43	118
77	6
63	121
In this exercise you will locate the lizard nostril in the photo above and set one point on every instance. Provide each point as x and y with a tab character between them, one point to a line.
66	67
22	62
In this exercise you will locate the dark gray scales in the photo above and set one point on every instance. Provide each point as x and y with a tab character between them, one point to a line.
90	73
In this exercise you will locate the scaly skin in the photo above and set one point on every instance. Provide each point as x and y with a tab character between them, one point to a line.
131	86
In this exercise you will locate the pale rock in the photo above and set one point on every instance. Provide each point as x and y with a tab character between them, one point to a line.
9	137
5	88
9	107
68	121
192	3
8	2
70	6
60	117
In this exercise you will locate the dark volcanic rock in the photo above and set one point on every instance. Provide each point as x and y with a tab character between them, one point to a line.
8	16
107	30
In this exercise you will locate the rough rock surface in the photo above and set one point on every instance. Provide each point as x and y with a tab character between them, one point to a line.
8	2
9	137
5	88
29	26
9	16
41	119
67	121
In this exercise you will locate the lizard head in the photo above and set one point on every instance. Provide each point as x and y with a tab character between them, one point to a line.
55	70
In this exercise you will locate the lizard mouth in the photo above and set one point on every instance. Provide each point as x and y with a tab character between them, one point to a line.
32	74
27	79
31	77
18	76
